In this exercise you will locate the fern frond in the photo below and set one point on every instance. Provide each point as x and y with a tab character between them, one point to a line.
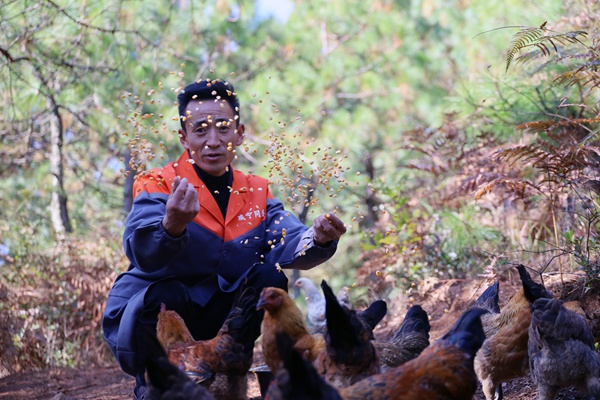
516	186
544	126
585	76
522	39
593	136
538	38
524	153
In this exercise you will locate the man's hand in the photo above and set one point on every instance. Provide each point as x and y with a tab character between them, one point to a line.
327	227
182	207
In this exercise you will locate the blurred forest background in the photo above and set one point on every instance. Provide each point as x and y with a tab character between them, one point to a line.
455	138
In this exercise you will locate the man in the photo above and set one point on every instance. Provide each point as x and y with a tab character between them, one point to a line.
198	228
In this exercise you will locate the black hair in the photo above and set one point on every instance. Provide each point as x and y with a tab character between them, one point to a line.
207	89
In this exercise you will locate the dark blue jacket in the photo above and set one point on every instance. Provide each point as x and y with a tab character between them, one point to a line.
214	254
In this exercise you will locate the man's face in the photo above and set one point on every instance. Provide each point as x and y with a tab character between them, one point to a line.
211	134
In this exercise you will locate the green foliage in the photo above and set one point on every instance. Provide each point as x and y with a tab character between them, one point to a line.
374	85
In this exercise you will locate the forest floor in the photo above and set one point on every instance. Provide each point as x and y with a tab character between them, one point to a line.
443	300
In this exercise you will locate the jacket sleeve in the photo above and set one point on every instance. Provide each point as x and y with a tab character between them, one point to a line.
291	242
147	244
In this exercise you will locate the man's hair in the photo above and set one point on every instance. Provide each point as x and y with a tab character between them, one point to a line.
207	89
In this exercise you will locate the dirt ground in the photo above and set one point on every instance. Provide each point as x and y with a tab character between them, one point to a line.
443	301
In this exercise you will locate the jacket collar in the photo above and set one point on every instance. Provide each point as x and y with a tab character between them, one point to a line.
237	199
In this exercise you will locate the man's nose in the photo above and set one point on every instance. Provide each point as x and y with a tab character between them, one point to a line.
212	138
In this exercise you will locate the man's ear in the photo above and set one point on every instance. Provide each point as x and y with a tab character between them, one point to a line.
240	134
183	139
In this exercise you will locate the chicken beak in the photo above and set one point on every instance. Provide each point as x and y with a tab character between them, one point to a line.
261	303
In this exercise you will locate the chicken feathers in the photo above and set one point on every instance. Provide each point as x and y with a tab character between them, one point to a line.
561	345
411	338
503	355
443	371
283	315
222	363
349	355
315	303
166	381
297	379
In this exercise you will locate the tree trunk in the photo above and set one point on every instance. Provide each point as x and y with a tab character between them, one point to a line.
58	205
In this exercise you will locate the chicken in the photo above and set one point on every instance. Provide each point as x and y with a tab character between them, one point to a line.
283	315
221	363
531	289
171	328
372	315
407	342
561	345
343	297
297	379
316	303
349	355
166	381
443	370
489	300
503	355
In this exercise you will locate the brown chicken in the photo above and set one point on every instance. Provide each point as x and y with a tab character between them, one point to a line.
283	315
503	355
444	370
171	328
349	354
221	363
166	381
561	345
411	338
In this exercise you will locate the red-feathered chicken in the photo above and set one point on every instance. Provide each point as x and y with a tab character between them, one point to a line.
221	363
283	315
166	381
350	354
561	345
444	370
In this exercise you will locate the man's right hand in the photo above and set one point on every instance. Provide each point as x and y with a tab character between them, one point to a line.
182	207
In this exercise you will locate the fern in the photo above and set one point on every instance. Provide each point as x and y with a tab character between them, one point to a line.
541	126
543	40
526	37
515	186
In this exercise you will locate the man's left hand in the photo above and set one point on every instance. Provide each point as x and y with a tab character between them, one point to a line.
327	228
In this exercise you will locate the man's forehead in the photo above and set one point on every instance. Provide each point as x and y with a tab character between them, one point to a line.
203	109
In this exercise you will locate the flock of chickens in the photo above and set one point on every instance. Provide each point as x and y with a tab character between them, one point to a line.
339	358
